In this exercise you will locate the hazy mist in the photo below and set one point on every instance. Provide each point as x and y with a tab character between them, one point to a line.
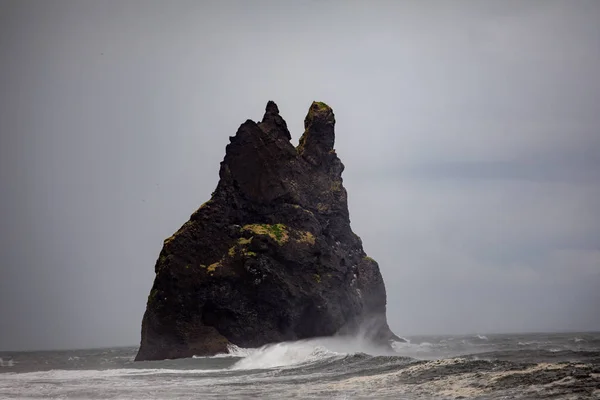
470	131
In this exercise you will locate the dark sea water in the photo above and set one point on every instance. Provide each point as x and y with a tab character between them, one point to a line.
525	366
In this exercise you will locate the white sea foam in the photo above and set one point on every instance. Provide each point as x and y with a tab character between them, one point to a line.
423	350
8	363
96	384
75	375
283	355
232	351
306	351
386	384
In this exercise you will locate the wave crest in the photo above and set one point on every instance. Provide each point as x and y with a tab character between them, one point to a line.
306	351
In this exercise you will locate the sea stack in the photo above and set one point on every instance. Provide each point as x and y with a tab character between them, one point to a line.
271	256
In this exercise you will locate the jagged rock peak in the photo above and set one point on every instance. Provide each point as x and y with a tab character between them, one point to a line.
319	112
319	135
272	107
272	123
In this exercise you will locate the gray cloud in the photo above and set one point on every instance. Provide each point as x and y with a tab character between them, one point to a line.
469	133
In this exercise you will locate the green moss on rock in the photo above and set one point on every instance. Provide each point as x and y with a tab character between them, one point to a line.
321	105
277	232
244	241
212	267
306	237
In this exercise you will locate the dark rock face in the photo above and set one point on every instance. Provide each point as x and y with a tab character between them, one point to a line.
271	256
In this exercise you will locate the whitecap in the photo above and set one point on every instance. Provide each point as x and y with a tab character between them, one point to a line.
284	354
232	351
307	351
68	375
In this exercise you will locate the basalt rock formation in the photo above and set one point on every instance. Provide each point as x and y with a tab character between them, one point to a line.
271	256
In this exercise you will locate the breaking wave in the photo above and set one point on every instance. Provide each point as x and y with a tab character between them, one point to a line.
308	351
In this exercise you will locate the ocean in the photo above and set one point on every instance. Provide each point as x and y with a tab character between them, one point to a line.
507	366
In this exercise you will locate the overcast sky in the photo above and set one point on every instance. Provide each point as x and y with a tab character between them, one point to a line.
470	131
